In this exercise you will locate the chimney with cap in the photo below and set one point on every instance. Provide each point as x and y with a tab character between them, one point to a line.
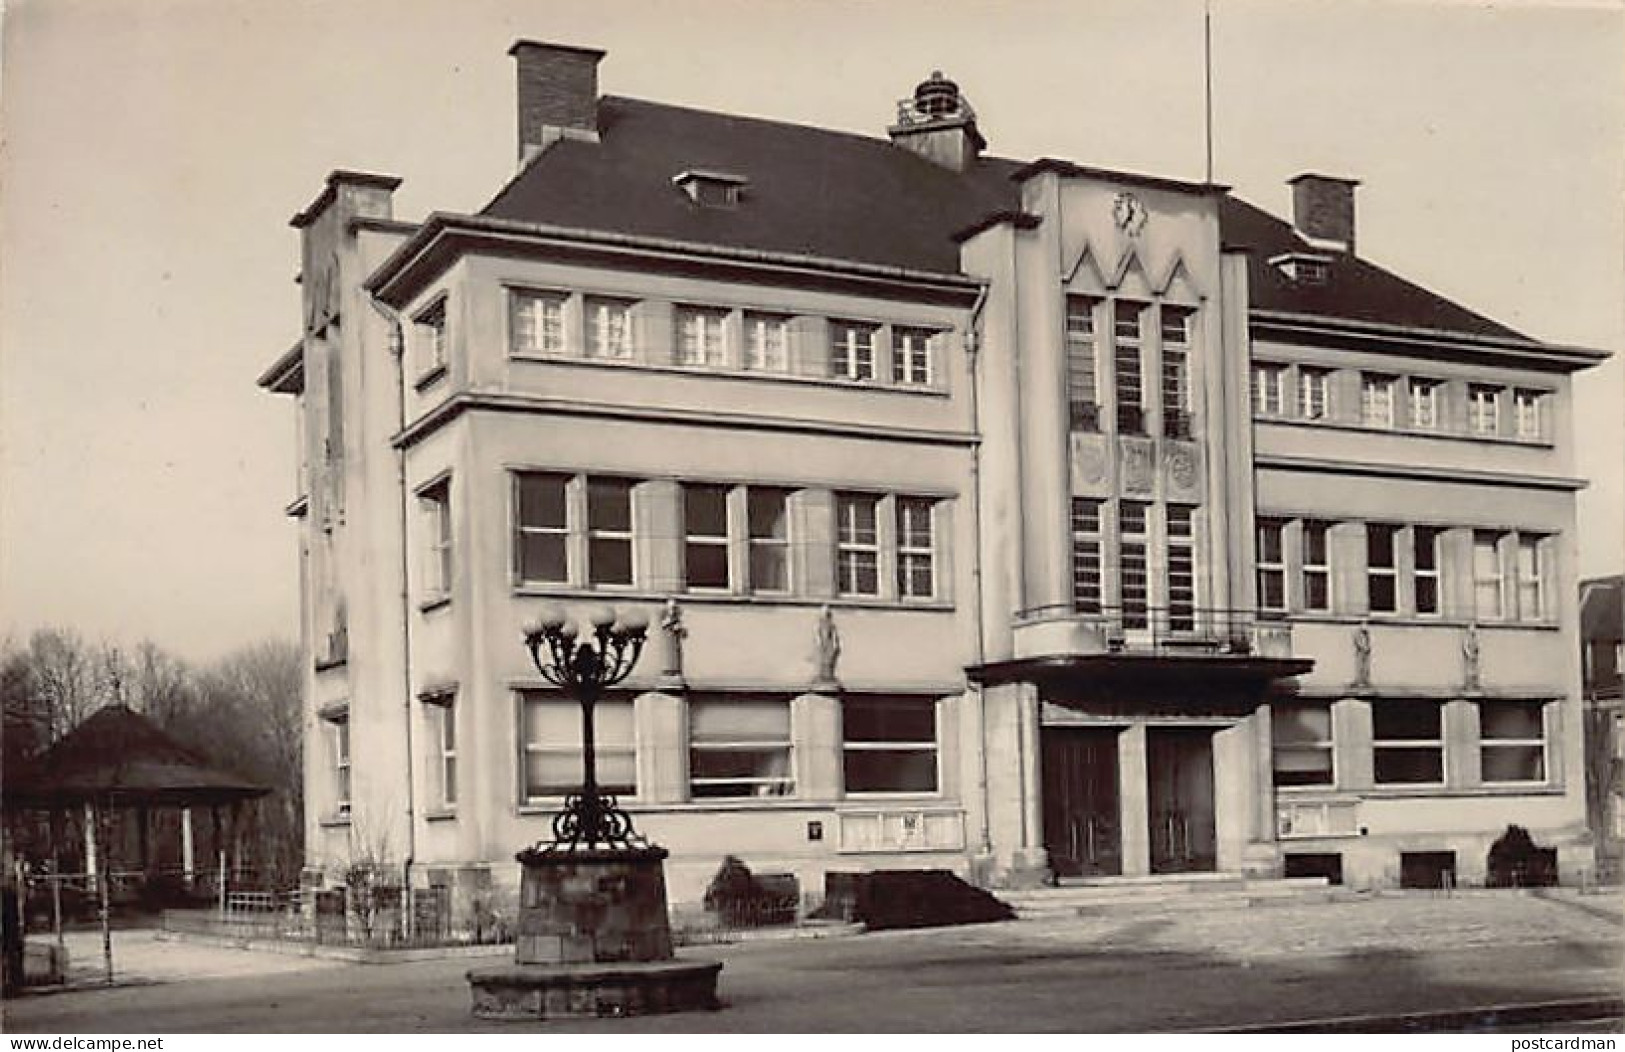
938	124
1323	210
558	94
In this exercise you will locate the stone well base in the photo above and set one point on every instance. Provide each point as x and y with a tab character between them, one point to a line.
533	991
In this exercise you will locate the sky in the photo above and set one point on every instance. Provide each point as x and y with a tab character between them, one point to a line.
154	151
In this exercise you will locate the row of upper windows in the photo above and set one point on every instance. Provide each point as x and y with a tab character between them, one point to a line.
555	324
1388	402
1152	549
1409	745
1408	570
1133	399
583	531
737	748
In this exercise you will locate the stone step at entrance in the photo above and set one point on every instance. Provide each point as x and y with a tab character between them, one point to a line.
1094	895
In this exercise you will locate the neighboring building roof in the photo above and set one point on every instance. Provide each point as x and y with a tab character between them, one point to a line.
1602	609
839	195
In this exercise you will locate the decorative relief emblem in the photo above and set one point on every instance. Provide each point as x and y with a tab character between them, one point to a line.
1179	460
1088	460
1137	469
1129	214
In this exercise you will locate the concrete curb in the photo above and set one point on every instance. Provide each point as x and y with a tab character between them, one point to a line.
351	954
1461	1020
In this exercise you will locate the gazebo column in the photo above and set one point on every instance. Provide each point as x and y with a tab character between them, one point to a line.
141	823
188	858
90	843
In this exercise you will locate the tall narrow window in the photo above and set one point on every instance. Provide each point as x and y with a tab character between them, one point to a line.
551	733
1133	564
1082	390
1487	590
609	328
430	330
916	559
857	553
1269	389
1531	597
739	749
1377	400
435	504
889	745
1425	564
1272	565
609	531
767	342
768	512
1512	741
700	336
1407	742
1302	743
443	743
1422	404
1317	565
1176	393
1313	400
536	323
1484	409
1130	385
542	529
339	736
1181	537
1526	408
1382	567
1086	554
911	354
705	536
852	350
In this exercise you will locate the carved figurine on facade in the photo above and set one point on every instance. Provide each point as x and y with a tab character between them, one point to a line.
1470	658
1362	656
828	651
672	634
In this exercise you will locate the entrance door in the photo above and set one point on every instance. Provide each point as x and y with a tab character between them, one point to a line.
1081	830
1179	767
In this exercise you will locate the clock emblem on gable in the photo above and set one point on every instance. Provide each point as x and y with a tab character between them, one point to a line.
1128	213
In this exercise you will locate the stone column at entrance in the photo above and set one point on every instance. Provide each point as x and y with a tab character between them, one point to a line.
1262	855
188	858
1133	801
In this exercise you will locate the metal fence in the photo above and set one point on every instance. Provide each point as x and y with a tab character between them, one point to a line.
359	917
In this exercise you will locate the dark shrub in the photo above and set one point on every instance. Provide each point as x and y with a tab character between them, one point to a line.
1515	861
740	899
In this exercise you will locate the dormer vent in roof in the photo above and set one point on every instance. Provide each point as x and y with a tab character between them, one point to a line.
1304	268
1323	210
711	189
937	123
557	94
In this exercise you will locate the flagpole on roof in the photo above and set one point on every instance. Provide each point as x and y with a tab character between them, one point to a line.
1207	82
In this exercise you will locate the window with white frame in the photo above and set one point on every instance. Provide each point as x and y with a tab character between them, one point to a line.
857	550
705	537
1422	404
609	531
1425	564
1531	594
701	336
1407	742
1382	567
551	737
1512	741
889	745
1082	381
1484	409
1272	565
536	322
1487	590
852	349
1087	541
1316	567
442	719
739	747
1133	562
1180	561
338	739
1176	381
542	528
767	511
434	506
609	328
429	330
767	342
1313	392
1377	399
1527	414
1302	743
1130	382
911	354
1269	389
916	548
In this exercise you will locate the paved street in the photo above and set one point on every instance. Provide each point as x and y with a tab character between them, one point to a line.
1165	971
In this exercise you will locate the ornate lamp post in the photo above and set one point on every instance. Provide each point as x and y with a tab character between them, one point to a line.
586	668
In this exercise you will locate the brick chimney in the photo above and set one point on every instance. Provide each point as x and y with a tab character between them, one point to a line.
558	94
1323	210
938	124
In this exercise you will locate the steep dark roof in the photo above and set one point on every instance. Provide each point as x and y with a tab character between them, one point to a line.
117	753
1602	608
842	196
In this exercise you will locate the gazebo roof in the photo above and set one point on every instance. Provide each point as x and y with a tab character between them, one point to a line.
119	756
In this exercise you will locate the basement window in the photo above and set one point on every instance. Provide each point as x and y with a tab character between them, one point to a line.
711	189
